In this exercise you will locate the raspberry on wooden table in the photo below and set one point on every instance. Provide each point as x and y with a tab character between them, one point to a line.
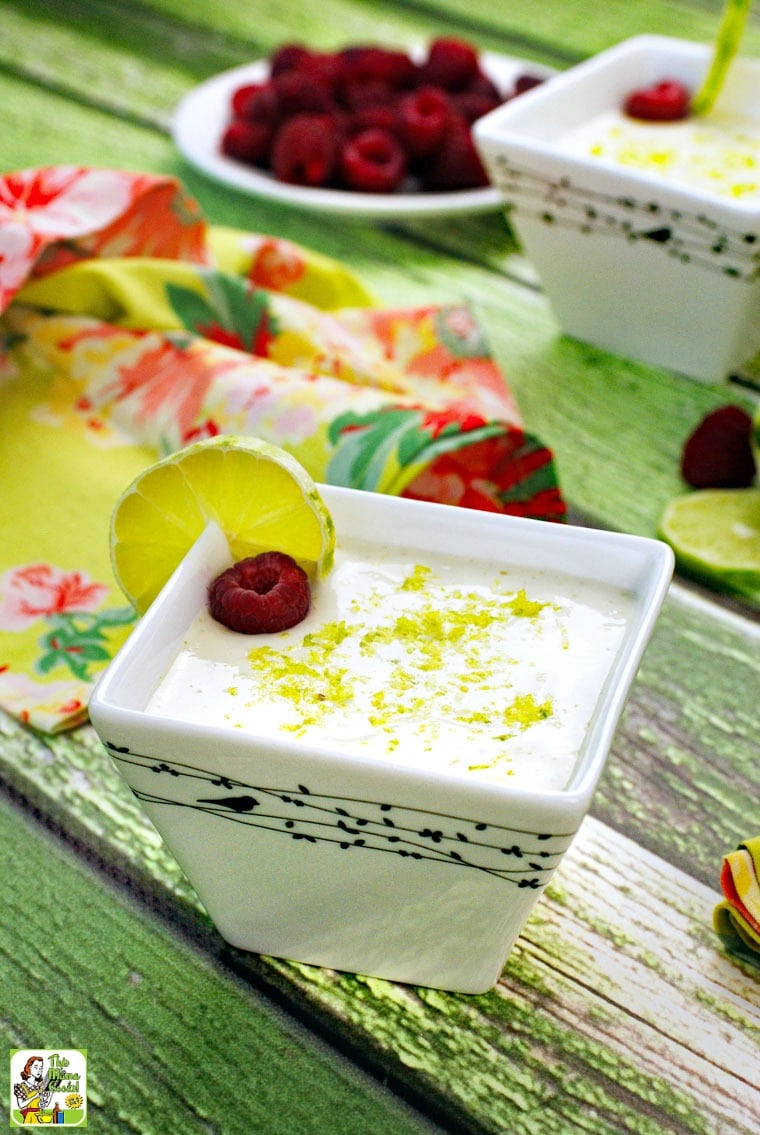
718	453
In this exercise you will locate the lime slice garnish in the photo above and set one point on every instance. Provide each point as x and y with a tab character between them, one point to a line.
259	495
715	535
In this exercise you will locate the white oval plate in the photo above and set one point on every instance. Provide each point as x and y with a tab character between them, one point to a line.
203	113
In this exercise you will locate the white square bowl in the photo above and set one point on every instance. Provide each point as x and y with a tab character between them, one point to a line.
631	262
355	863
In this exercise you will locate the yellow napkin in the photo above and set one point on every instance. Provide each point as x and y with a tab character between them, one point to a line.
132	328
737	917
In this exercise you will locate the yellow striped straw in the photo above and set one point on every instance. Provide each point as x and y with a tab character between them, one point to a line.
727	43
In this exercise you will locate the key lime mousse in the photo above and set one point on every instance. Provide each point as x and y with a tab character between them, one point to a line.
445	663
718	153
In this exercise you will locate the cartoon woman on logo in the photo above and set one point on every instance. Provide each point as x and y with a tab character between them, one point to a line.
31	1092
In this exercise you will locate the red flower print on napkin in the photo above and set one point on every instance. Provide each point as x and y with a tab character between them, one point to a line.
56	215
34	591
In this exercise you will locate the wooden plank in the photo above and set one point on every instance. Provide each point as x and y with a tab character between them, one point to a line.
42	127
137	59
602	1021
573	31
684	772
175	1042
138	62
561	30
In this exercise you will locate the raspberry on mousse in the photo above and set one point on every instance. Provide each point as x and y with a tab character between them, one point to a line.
260	594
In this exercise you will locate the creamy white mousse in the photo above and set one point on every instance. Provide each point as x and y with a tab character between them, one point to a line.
447	665
718	153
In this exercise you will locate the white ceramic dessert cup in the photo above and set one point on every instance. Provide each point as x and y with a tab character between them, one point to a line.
349	862
646	269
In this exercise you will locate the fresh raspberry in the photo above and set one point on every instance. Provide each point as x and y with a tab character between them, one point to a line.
482	85
455	165
718	454
361	93
394	69
373	162
373	118
299	93
247	141
260	105
261	594
527	82
324	67
357	93
305	150
288	57
474	104
424	116
667	101
242	96
451	64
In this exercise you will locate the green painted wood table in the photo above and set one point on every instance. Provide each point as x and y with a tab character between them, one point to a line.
619	1010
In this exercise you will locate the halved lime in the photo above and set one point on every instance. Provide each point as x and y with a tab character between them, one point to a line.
715	535
258	494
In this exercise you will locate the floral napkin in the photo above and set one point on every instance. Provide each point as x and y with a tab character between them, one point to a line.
130	327
737	917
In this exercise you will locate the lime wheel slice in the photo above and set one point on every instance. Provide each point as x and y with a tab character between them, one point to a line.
715	535
258	494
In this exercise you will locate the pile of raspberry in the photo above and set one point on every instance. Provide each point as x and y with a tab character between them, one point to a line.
367	119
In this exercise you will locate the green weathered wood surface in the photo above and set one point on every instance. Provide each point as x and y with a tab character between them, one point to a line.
156	1014
618	1010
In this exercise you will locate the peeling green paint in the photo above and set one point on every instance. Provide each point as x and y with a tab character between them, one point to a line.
728	1011
170	1035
